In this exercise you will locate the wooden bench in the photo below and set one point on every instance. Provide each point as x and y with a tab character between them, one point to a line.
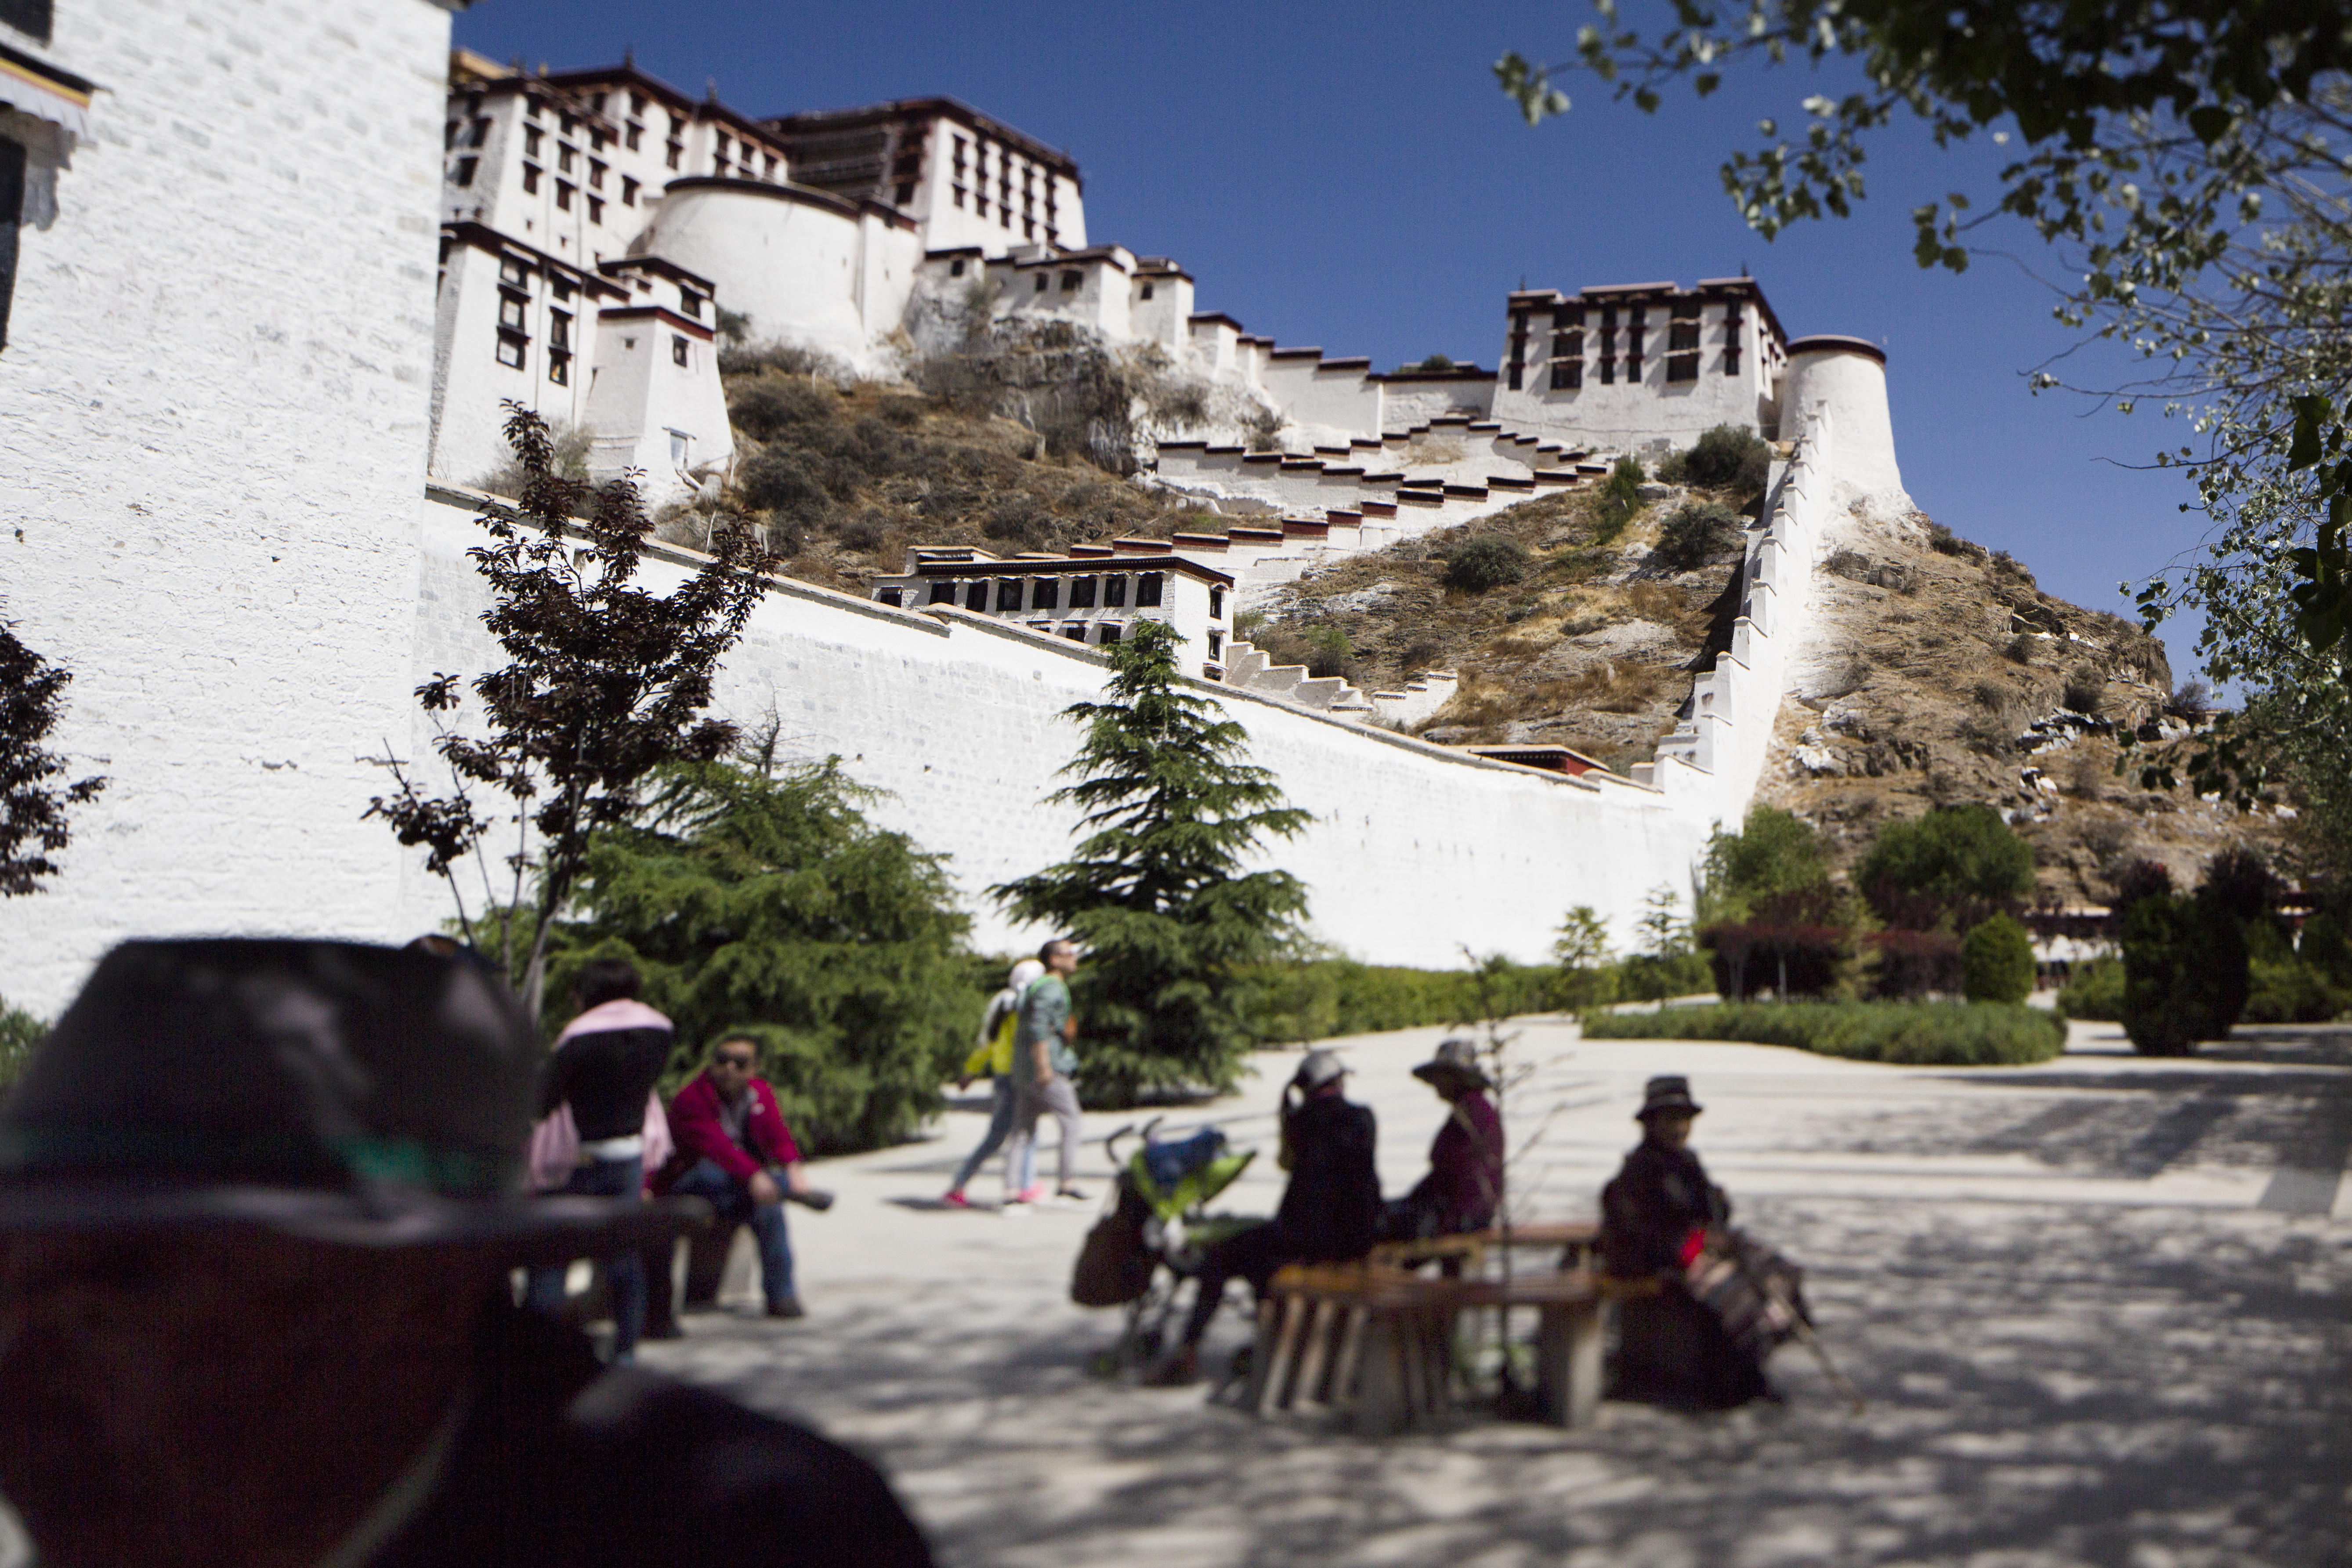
1376	1345
1573	1241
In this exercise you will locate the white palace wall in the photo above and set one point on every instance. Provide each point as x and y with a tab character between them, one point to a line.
215	391
1414	851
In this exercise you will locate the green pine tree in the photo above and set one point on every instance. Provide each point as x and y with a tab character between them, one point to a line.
1156	896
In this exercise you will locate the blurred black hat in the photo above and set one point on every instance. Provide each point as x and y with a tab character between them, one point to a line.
1456	1061
370	1096
1667	1095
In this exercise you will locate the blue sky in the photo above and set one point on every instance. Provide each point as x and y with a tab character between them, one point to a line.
1348	176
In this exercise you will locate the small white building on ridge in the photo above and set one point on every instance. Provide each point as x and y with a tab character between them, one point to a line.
1091	596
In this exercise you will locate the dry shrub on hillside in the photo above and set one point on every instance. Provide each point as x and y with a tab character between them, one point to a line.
1609	686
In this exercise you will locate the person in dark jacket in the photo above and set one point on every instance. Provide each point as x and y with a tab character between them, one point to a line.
604	1067
1329	1212
1464	1184
1655	1215
257	1204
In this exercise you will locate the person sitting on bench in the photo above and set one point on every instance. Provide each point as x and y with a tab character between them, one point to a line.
734	1150
1465	1183
1329	1212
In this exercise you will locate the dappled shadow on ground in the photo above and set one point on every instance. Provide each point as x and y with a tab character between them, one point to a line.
2047	1385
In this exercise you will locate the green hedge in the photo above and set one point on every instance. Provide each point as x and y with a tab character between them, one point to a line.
1286	1003
2094	992
1926	1034
19	1033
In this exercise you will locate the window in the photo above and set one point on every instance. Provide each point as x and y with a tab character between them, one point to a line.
514	312
1046	594
465	174
598	140
596	209
11	207
1115	593
767	166
677	127
481	133
1216	603
32	17
1070	282
1634	320
955	268
1147	589
890	596
1147	290
448	131
1608	344
1216	645
514	272
569	124
980	203
1082	593
1567	357
559	368
530	135
678	352
1075	631
679	443
1682	341
976	596
942	593
676	150
559	329
1041	283
956	194
564	189
511	351
1109	633
906	193
1008	593
633	136
724	144
719	168
1519	350
530	179
1731	336
531	107
566	157
637	104
629	192
691	302
595	175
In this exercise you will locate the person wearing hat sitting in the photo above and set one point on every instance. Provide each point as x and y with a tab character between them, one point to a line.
1464	1184
258	1205
1655	1215
1329	1211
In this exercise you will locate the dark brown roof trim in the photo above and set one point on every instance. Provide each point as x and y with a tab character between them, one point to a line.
1835	344
1025	567
698	108
1216	316
1296	354
1459	372
929	108
801	194
662	265
662	313
481	236
1360	362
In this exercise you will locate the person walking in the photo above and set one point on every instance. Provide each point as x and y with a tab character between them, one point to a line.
993	1054
1043	1063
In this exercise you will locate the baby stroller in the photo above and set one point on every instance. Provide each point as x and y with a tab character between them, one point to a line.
1152	1234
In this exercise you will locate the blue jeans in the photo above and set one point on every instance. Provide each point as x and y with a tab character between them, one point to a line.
624	1271
1000	1123
731	1200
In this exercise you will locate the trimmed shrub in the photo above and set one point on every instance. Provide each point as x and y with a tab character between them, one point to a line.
1695	533
1996	961
2289	991
1490	562
2322	947
2185	973
1285	1003
1922	1034
2094	992
19	1033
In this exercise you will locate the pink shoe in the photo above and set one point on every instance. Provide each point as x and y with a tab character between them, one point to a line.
1035	1194
956	1200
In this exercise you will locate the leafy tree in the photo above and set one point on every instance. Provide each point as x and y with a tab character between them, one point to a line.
1156	894
33	801
1581	951
1948	870
19	1033
1996	961
2186	976
761	900
1666	965
606	682
1773	852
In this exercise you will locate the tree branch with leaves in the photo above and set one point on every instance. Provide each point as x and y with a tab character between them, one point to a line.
34	799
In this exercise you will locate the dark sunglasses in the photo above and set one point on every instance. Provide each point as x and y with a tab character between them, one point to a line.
727	1059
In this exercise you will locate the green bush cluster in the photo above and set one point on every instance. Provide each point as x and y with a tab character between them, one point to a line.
1923	1034
1488	561
1697	532
1318	999
19	1033
2184	972
1620	500
2094	992
1728	457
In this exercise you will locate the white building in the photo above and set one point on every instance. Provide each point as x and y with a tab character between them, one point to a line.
1092	595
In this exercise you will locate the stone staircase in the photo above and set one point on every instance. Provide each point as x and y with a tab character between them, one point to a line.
1248	667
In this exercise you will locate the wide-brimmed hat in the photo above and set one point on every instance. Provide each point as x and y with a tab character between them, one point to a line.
1317	1069
368	1096
1456	1061
1668	1095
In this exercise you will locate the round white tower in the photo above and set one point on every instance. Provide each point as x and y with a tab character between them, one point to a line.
1846	377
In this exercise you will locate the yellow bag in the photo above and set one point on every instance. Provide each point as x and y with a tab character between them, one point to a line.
995	1059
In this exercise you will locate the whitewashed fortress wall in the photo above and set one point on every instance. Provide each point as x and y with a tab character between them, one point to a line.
216	382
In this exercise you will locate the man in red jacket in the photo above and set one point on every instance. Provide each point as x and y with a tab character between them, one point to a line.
734	1150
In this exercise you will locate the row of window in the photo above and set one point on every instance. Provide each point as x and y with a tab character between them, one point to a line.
1013	594
973	182
514	340
1568	344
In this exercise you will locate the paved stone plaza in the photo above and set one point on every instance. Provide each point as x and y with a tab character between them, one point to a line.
2098	1309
